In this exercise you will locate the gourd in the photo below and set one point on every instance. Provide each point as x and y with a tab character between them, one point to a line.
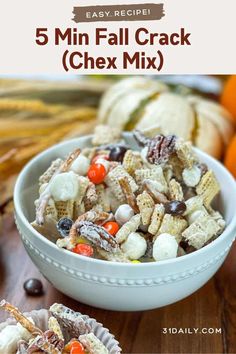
143	103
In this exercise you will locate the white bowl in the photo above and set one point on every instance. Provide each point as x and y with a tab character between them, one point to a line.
120	286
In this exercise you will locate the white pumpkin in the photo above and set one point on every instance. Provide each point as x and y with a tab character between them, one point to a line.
116	94
144	103
166	111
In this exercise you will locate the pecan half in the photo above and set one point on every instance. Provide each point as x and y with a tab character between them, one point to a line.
97	235
161	148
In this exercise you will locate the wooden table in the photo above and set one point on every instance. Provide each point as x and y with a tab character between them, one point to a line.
213	306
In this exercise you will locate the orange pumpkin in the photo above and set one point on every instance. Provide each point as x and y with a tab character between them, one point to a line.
230	157
228	97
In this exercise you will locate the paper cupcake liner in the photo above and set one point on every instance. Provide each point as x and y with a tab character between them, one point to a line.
40	318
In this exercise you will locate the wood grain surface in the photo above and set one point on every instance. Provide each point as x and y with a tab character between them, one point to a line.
213	306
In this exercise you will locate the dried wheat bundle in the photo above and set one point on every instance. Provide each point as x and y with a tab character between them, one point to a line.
36	115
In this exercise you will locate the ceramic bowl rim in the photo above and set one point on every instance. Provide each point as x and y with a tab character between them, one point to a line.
19	213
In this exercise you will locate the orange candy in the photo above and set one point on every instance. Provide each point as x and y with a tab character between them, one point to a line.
74	347
83	250
228	97
230	157
97	173
112	227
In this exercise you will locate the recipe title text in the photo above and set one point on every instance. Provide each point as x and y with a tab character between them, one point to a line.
77	54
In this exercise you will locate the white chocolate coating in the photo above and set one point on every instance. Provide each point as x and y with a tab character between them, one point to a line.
195	215
144	152
64	186
42	188
93	344
191	176
80	165
135	246
123	214
165	247
10	336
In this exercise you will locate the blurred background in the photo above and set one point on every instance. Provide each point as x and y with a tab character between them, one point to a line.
36	113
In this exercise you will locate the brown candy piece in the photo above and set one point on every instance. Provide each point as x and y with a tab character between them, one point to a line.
117	153
33	287
175	207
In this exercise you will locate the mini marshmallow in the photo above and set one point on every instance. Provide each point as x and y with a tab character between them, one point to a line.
165	247
80	165
123	214
191	176
64	186
135	246
103	162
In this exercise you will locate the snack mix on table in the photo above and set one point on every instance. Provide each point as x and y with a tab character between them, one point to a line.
67	332
113	203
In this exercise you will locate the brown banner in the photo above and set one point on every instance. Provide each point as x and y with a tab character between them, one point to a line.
134	12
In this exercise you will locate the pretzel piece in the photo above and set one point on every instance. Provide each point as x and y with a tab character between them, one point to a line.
19	317
129	195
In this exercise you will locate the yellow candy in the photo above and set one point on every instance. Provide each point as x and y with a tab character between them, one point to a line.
81	240
135	261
